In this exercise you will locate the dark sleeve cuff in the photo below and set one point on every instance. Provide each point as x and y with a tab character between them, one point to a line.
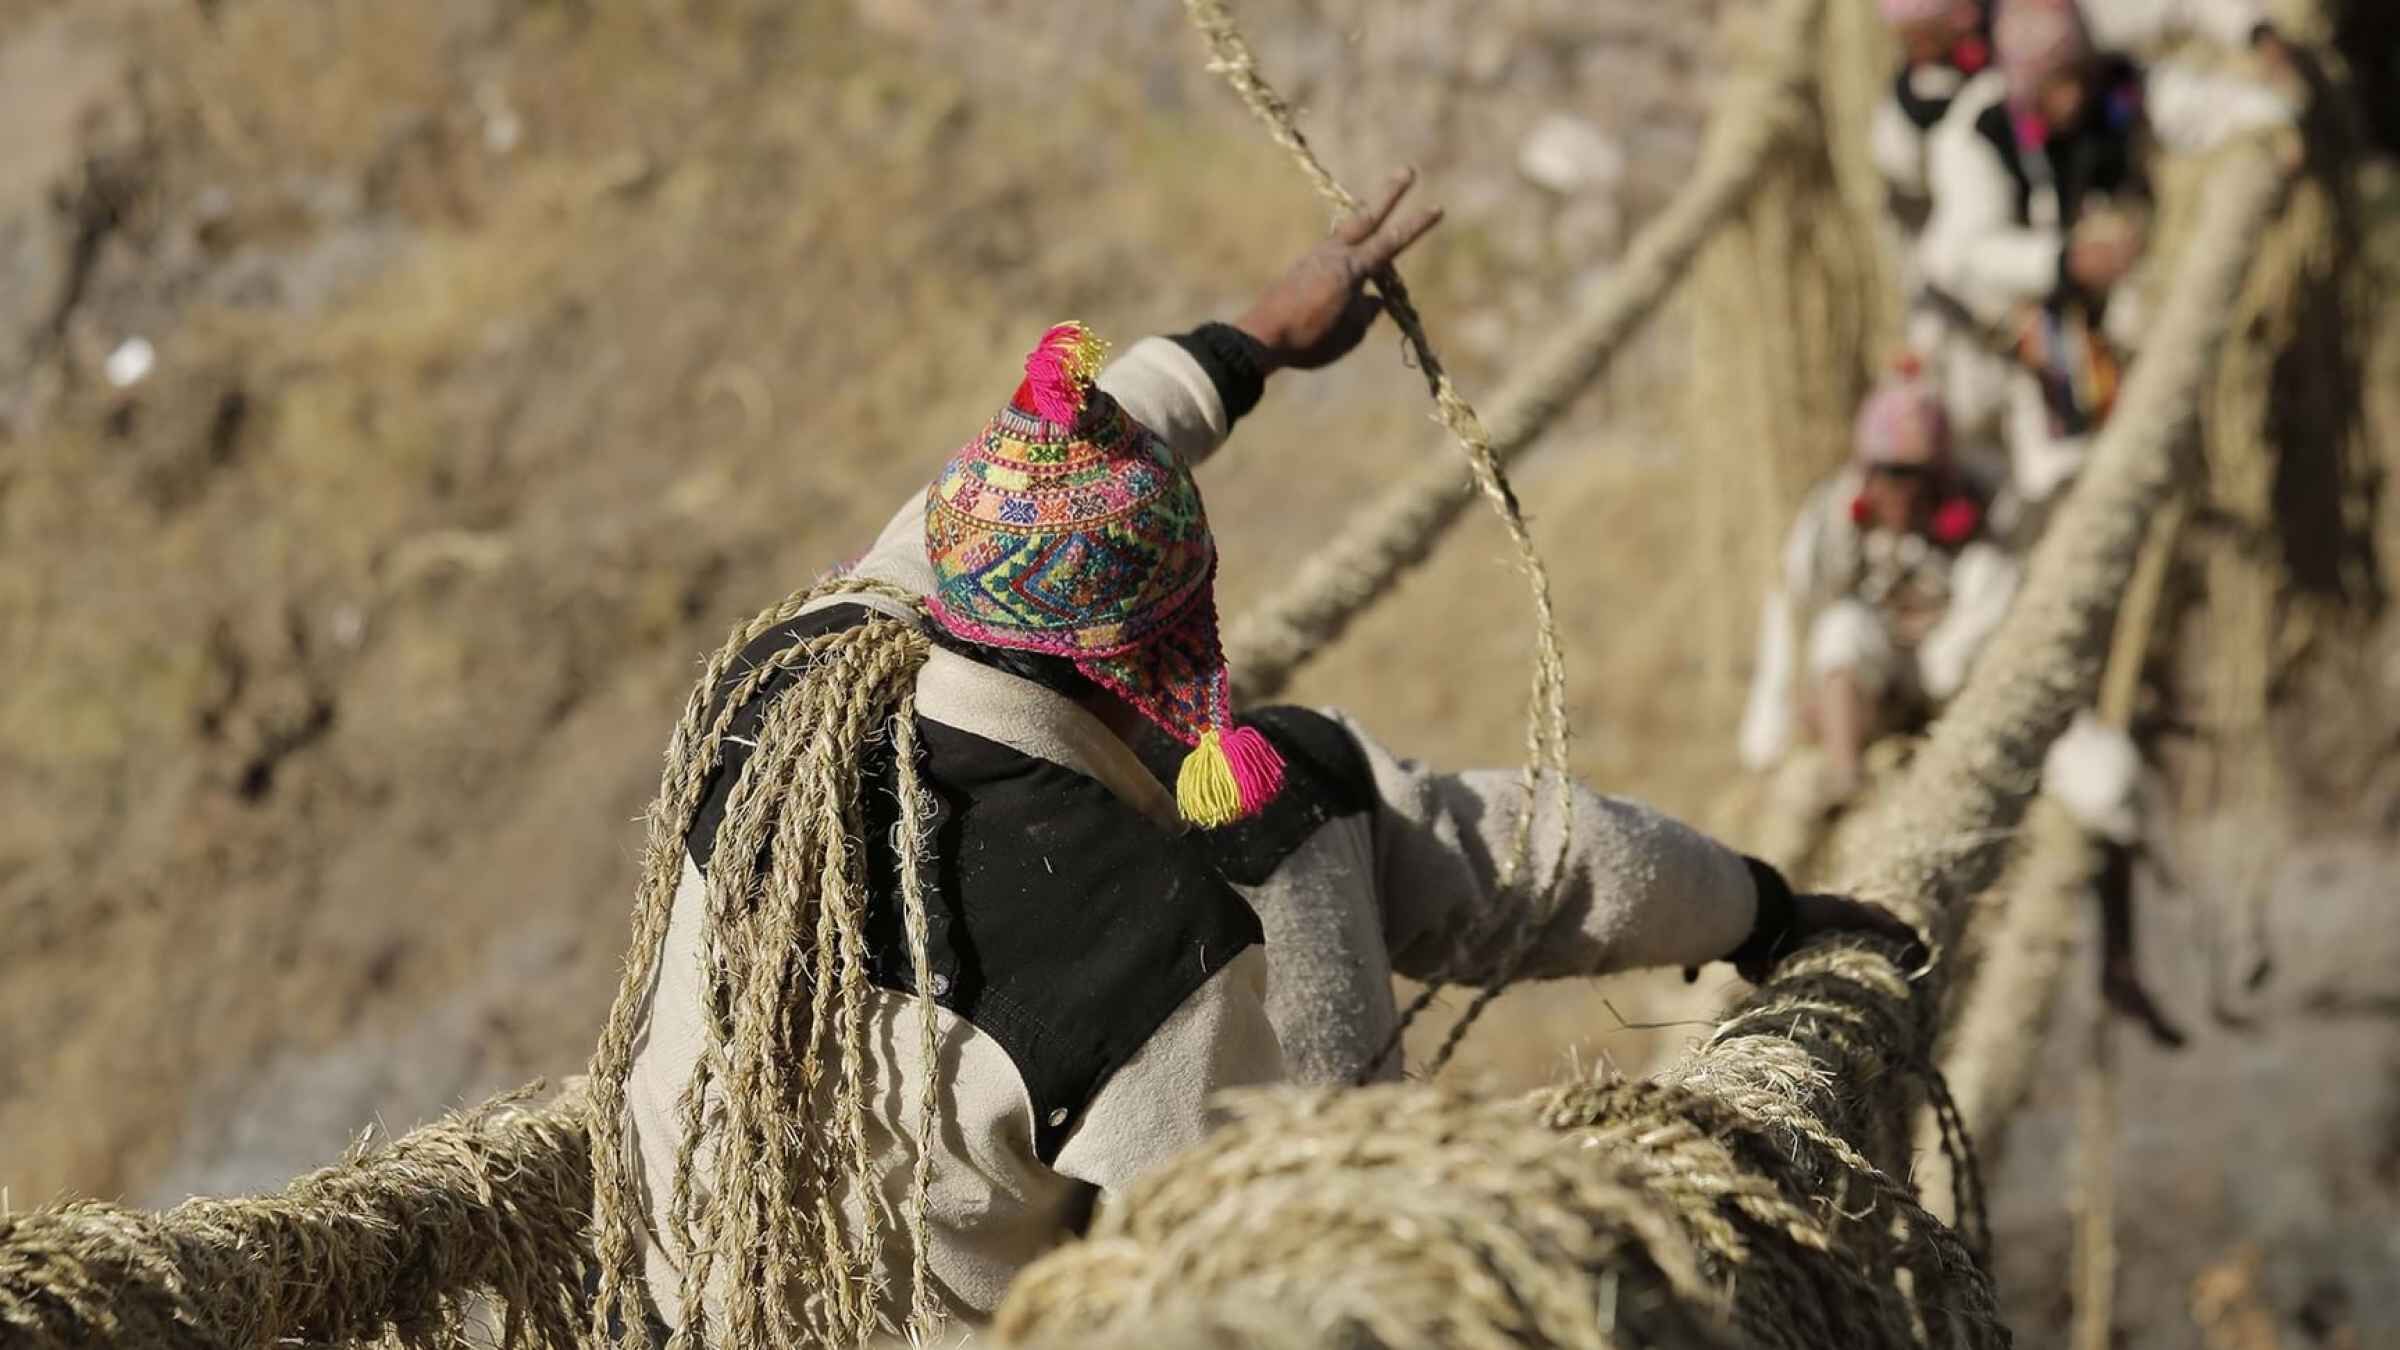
1774	923
1235	363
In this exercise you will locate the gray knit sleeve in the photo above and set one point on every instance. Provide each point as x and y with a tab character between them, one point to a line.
1639	888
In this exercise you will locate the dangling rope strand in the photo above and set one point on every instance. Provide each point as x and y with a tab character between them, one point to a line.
1546	717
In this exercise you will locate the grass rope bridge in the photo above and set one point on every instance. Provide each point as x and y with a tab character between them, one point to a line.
1746	1195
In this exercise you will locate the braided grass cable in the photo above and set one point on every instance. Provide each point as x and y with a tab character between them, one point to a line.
401	1238
504	1201
908	847
693	752
1942	838
1592	1215
1764	1160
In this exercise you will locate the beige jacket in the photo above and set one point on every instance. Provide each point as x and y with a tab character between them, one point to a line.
1370	865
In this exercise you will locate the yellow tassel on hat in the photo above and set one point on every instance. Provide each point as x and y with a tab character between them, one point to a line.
1205	791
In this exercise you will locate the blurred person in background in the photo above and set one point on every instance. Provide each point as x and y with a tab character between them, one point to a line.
1893	576
1943	44
2040	211
1132	899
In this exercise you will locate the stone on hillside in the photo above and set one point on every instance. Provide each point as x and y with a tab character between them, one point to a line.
130	362
1569	155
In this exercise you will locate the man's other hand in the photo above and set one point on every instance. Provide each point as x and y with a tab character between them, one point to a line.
1814	915
1318	310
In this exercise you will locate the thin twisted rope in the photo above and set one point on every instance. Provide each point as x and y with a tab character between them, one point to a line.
1546	727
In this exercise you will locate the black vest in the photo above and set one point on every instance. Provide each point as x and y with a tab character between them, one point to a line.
2099	157
1062	922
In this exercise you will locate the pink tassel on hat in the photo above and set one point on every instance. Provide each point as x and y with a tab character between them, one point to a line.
1257	768
1060	371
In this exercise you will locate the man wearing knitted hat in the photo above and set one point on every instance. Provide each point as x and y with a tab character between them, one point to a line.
968	891
2039	199
1891	572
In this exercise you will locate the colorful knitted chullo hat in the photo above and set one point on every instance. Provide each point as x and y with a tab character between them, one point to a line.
1069	528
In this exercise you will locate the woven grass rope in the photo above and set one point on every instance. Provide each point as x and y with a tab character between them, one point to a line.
2004	998
1758	113
402	1239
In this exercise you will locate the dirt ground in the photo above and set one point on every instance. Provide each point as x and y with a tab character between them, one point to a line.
503	353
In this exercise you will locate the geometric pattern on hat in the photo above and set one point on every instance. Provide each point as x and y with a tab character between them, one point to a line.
1069	528
1073	542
